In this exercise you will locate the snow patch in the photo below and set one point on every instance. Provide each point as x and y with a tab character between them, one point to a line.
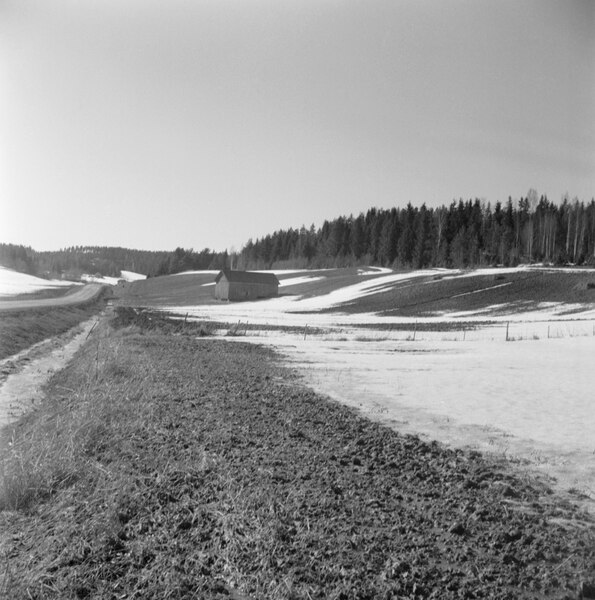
299	280
13	283
131	276
373	270
200	272
350	293
485	289
282	271
103	279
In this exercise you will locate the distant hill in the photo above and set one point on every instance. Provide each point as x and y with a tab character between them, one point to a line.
72	263
13	283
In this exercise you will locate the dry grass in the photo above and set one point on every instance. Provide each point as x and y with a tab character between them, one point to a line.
368	338
81	460
238	329
51	449
151	320
53	455
22	329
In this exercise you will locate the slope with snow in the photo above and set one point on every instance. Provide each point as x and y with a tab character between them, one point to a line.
324	307
131	276
13	283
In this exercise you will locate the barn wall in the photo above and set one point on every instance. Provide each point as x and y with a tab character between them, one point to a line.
237	291
251	291
222	289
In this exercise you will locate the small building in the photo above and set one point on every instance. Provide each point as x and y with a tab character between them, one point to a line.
245	285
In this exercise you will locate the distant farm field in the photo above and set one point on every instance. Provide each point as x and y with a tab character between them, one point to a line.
198	287
416	294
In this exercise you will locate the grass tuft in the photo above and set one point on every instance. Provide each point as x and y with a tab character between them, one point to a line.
237	329
146	320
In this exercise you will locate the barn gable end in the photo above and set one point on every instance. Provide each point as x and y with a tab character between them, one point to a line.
245	285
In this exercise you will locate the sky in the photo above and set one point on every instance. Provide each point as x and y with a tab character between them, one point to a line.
203	123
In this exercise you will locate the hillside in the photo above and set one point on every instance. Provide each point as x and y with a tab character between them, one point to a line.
197	287
99	261
483	294
14	283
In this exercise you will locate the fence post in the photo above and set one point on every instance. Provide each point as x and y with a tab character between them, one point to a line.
414	331
507	324
97	359
305	331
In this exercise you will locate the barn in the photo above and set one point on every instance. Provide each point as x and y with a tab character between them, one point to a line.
245	285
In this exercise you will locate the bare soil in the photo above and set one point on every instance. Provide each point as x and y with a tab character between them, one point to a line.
218	475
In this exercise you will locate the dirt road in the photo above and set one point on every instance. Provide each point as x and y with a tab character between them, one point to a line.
80	296
23	375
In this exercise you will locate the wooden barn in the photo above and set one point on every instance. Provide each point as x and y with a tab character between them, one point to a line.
245	285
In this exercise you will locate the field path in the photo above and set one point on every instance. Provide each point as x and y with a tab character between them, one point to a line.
80	296
23	375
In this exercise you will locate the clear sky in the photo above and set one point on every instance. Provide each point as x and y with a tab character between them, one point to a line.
201	123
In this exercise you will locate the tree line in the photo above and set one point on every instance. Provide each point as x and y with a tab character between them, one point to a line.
71	263
464	234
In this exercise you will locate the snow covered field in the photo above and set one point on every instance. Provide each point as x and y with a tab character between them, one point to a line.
13	283
531	397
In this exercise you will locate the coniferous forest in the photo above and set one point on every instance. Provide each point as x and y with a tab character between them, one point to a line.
464	234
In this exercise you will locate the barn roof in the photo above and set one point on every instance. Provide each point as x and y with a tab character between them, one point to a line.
248	277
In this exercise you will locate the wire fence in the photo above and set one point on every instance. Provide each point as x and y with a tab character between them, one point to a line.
510	331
